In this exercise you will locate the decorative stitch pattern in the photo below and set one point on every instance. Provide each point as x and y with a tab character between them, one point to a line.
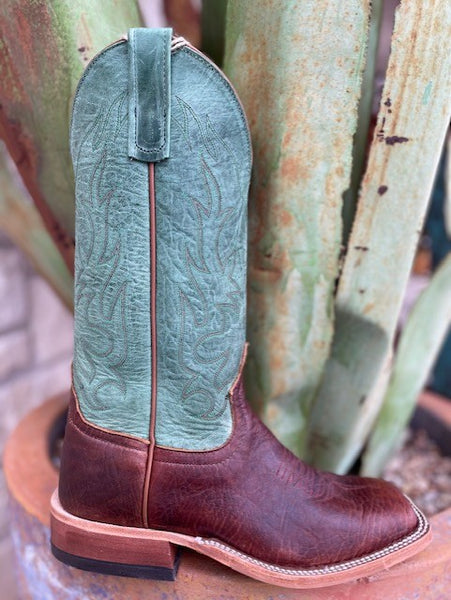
111	303
201	194
96	309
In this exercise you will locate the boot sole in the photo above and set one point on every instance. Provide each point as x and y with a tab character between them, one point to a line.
153	554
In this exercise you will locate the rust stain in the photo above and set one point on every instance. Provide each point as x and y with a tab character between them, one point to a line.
12	89
20	146
277	362
319	344
286	219
368	308
24	153
286	142
37	52
25	40
293	171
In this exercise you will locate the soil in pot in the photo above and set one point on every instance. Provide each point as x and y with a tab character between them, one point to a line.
422	471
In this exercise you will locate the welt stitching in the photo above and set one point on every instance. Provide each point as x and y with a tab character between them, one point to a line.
154	150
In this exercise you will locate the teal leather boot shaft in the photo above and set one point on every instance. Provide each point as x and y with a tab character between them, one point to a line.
112	259
140	103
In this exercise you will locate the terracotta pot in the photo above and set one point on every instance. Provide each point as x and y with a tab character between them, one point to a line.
434	415
31	478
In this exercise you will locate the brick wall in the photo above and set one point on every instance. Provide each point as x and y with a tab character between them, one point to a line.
35	357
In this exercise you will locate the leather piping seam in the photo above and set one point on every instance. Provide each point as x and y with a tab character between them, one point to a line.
220	461
240	370
153	343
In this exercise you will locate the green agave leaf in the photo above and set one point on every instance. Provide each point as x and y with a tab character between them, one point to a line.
411	126
44	47
447	214
20	220
297	67
350	197
213	22
420	343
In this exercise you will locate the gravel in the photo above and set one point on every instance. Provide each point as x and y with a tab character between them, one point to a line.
422	473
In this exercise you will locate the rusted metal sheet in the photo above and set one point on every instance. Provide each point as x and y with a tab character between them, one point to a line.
31	479
412	123
297	68
44	47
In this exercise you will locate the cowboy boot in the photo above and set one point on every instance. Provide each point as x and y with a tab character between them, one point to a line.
161	450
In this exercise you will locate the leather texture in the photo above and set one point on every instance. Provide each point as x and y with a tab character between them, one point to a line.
201	232
112	257
256	496
201	214
102	475
149	93
251	494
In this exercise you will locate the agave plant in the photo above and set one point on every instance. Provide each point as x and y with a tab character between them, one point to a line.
44	47
333	225
323	307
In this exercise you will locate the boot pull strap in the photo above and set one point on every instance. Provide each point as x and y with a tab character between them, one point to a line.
149	93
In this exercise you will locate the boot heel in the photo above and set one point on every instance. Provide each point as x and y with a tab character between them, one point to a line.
110	549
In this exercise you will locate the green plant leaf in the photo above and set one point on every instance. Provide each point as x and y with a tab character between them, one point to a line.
420	343
350	197
447	209
44	47
297	67
410	130
213	22
22	223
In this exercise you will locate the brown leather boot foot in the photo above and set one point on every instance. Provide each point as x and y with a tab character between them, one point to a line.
249	504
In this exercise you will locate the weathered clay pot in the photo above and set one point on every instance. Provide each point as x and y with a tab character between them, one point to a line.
434	415
31	478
